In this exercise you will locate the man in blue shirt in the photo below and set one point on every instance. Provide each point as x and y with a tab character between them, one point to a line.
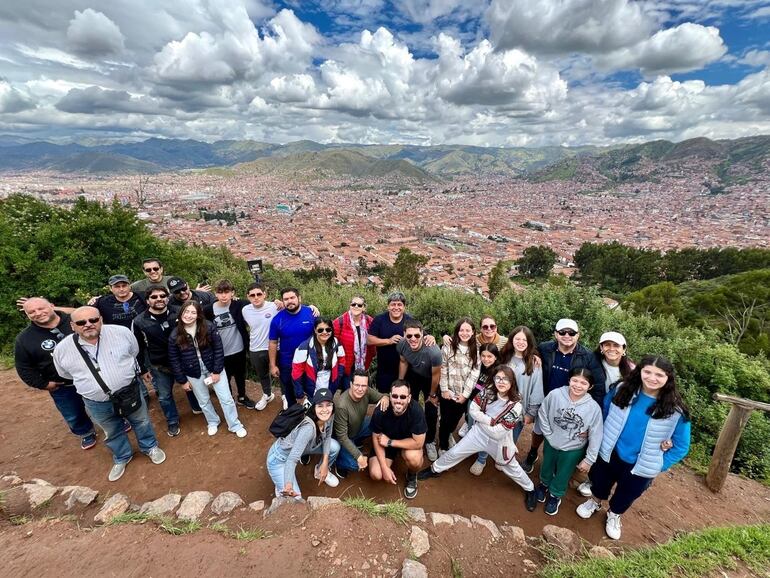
289	328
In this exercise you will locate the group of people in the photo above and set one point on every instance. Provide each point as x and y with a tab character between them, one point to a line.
593	412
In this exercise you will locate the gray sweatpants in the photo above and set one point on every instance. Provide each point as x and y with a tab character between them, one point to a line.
476	440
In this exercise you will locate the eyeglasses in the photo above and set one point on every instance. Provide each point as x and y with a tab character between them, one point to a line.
363	385
396	396
91	320
323	330
151	269
569	332
501	379
412	335
258	294
490	326
358	304
158	297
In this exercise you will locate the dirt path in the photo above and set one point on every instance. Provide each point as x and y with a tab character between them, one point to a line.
35	442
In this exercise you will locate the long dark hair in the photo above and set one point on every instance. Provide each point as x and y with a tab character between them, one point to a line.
625	366
183	339
669	399
472	345
486	373
529	353
513	393
330	343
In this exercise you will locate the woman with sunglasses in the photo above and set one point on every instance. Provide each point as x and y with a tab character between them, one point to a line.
197	359
489	334
520	354
319	362
352	329
495	413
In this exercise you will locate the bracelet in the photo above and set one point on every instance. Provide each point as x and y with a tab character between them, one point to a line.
432	395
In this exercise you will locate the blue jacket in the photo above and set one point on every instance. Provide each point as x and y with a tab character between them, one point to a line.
581	357
184	362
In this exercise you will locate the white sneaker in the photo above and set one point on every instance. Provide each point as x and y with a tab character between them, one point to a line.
463	430
331	480
584	489
212	430
241	433
587	509
612	527
430	449
262	403
285	402
478	467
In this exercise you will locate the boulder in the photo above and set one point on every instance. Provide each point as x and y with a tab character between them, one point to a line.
319	502
462	520
413	569
115	506
600	552
257	506
488	524
437	519
226	502
193	505
563	539
39	492
418	541
11	480
78	495
516	533
161	506
417	514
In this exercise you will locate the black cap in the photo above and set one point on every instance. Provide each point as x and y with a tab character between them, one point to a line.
177	284
117	279
322	395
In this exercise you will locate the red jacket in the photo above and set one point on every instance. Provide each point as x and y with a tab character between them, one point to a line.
345	332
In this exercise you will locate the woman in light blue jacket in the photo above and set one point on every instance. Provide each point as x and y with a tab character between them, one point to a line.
641	415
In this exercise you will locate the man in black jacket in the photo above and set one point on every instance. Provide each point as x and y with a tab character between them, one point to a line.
35	367
559	357
151	329
180	292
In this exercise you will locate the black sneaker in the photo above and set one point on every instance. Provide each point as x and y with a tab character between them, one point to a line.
552	505
246	402
427	473
304	459
341	473
530	500
410	491
529	463
174	430
541	490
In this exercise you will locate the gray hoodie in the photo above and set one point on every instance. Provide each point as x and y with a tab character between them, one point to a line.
566	424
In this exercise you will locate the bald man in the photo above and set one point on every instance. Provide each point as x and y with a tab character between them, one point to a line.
34	364
112	351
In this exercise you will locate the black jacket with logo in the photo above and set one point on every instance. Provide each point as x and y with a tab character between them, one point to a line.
152	331
32	353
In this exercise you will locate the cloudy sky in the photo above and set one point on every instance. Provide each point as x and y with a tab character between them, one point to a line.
482	72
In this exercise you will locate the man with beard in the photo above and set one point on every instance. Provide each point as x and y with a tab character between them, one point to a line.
151	329
181	292
289	328
34	364
399	430
153	275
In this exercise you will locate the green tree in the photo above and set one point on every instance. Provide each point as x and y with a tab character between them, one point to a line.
498	278
537	262
658	299
405	271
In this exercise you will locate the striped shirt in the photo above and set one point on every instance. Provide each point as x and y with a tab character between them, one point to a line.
114	354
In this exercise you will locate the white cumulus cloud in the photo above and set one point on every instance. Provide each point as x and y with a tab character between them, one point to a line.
91	33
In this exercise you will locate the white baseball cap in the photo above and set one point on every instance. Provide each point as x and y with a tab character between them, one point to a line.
613	336
567	324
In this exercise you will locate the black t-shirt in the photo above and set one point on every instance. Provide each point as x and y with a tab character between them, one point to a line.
384	328
400	427
115	312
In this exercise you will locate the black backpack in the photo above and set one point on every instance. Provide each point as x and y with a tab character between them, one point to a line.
287	420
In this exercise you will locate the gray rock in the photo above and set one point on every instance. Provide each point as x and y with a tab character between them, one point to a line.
39	492
488	524
12	480
600	552
418	541
226	502
115	506
563	539
417	514
162	505
281	501
257	506
437	519
78	495
462	520
517	534
413	569
193	505
319	502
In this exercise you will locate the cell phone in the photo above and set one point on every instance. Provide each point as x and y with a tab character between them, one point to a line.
208	380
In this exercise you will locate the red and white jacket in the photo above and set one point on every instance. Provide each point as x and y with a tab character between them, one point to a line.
304	368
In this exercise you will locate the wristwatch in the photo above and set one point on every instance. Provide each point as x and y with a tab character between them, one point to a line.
432	395
390	443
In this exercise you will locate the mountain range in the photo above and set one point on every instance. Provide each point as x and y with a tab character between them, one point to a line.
725	161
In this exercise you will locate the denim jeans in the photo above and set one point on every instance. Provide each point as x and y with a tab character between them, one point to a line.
103	414
71	407
222	389
345	460
164	382
276	461
287	384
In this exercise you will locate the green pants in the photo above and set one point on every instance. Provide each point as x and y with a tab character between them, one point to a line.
557	468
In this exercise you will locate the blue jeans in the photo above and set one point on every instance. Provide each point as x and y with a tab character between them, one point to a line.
103	414
164	383
345	460
276	461
222	389
481	457
71	407
287	384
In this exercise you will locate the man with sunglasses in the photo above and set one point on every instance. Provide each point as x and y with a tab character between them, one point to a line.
112	351
153	275
34	363
258	315
180	293
420	365
400	429
152	329
559	357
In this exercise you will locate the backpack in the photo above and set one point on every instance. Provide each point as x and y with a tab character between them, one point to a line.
287	420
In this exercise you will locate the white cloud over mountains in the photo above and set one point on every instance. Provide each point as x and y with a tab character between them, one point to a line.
531	72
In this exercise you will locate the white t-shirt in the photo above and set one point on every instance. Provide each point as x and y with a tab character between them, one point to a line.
612	373
259	324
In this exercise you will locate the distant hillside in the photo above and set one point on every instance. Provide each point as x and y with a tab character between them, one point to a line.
95	162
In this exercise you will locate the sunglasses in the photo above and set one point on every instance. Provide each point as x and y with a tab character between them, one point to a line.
396	396
180	290
324	330
158	297
358	304
91	320
256	294
151	269
412	335
490	326
569	332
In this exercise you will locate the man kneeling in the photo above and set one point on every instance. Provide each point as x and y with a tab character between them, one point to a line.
399	429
